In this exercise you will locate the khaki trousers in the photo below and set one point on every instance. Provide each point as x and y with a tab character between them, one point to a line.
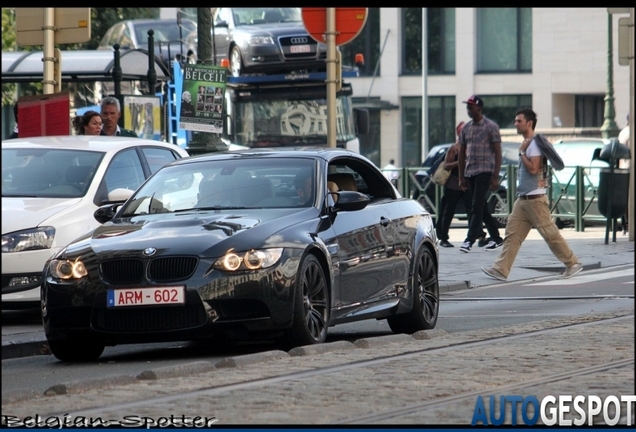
525	215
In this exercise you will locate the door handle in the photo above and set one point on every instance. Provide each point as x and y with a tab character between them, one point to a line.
384	221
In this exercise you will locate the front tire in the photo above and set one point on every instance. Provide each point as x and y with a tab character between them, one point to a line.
311	305
236	62
75	349
425	291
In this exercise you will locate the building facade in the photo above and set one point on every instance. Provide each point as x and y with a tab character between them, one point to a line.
553	59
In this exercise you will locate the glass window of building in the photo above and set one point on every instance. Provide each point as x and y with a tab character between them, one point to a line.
441	125
440	38
504	40
502	109
589	110
366	43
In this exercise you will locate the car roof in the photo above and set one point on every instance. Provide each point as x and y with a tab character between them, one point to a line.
326	153
87	142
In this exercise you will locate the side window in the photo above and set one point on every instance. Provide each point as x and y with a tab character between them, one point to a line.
124	171
223	15
353	175
157	157
126	39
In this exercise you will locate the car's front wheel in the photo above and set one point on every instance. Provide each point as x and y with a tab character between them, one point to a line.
74	349
236	62
425	286
311	305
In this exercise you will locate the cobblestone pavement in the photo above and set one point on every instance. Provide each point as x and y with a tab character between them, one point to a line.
441	385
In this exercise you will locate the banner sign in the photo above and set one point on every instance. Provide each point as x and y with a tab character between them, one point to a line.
44	115
142	114
201	105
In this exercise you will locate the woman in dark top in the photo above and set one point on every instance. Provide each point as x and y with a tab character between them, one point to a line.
452	194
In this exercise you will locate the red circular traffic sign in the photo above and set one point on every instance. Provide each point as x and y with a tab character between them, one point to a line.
349	23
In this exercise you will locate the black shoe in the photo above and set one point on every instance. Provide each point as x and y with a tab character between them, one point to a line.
483	241
445	243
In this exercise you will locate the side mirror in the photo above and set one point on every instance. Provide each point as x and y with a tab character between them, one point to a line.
222	23
105	213
119	195
351	201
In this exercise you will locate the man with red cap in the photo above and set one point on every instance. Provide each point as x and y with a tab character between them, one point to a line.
479	165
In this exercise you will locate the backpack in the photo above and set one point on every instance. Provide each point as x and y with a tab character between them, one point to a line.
548	151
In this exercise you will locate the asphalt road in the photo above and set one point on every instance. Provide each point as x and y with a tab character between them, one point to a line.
486	307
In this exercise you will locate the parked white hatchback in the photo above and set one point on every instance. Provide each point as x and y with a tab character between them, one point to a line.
51	186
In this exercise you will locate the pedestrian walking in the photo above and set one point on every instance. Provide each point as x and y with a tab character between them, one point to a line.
531	208
111	112
391	172
452	193
479	165
90	123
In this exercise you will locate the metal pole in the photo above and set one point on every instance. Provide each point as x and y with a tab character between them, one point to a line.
424	84
632	165
49	51
152	73
609	128
117	73
331	77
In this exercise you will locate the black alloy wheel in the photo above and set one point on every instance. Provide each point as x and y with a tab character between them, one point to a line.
75	349
425	290
311	305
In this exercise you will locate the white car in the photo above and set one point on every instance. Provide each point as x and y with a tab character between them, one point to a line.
51	186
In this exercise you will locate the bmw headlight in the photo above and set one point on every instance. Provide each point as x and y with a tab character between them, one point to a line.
31	239
250	260
67	269
261	40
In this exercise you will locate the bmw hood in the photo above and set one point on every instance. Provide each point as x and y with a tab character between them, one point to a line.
205	234
22	213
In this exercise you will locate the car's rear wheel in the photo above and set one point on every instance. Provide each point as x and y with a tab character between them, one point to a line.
311	305
425	286
236	62
74	349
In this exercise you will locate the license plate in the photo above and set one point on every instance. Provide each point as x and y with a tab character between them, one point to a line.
146	296
294	49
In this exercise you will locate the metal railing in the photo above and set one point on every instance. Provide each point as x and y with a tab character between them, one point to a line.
573	197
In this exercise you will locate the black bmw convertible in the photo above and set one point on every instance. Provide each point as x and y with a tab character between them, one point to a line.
251	244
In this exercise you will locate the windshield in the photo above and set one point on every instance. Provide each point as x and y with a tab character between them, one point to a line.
250	16
273	123
164	31
48	173
227	184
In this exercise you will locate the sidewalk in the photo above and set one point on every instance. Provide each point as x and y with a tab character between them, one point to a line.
460	270
457	271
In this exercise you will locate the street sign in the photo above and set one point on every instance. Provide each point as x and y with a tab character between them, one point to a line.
72	25
349	23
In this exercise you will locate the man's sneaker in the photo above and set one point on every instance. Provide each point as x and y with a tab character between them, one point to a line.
493	244
571	271
465	247
445	243
483	241
494	273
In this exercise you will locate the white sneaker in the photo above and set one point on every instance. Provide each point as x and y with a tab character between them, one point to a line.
465	247
494	273
571	271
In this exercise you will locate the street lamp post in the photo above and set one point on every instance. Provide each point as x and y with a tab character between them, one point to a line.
609	128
